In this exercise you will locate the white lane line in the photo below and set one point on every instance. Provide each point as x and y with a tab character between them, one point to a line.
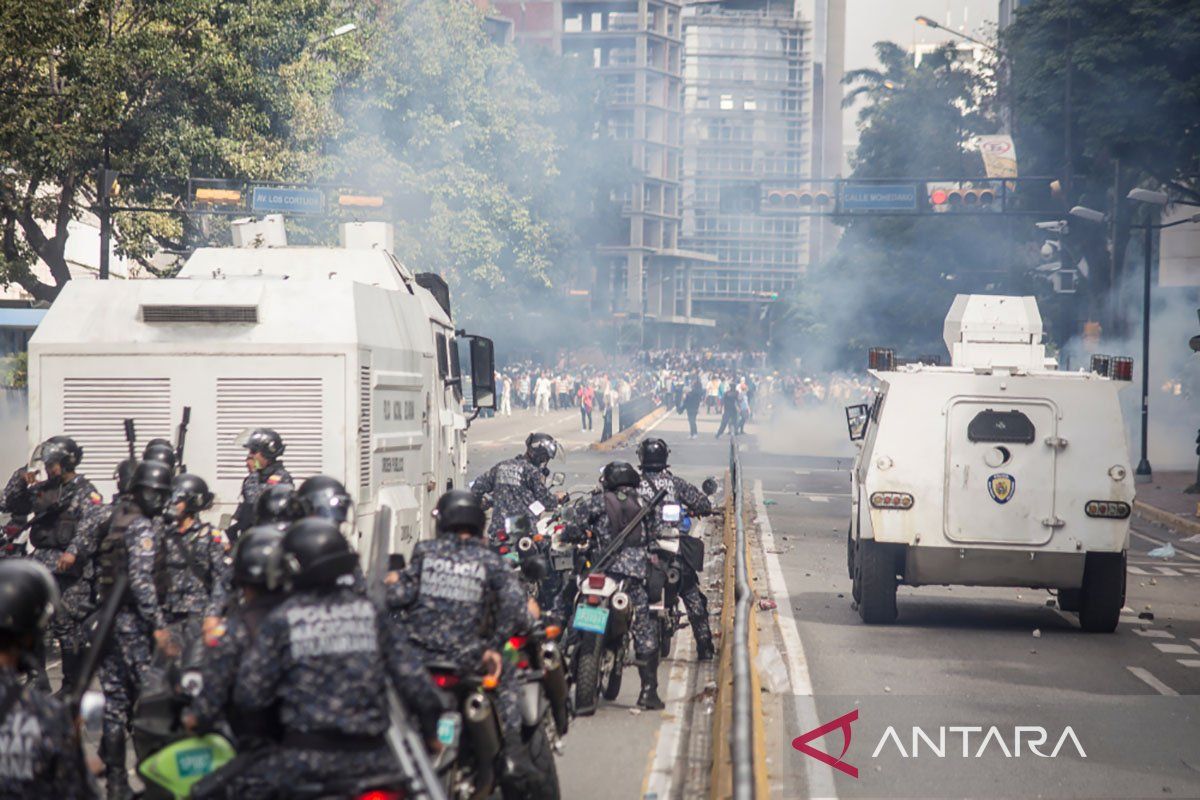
819	780
1153	682
1176	649
1157	634
1196	642
1136	570
661	775
1189	662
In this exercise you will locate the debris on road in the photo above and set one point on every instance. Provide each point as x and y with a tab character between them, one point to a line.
766	604
1037	633
1146	615
772	669
1164	552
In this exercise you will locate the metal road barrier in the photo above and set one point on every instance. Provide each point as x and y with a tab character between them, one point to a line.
741	741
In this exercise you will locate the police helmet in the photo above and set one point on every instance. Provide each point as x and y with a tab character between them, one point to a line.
28	597
123	475
278	503
256	557
652	454
315	553
323	496
192	491
618	474
459	510
264	441
540	448
151	486
61	450
159	450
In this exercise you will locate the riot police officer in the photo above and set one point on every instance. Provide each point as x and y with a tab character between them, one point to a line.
601	517
264	447
64	505
160	450
656	475
323	496
256	579
195	586
278	506
460	602
516	484
323	655
42	755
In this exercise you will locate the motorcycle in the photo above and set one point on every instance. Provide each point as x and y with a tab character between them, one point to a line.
600	625
666	571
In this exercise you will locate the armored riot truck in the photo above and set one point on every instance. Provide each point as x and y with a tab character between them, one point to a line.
998	470
352	357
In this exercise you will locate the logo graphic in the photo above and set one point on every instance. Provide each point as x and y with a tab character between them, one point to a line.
842	723
191	763
1002	487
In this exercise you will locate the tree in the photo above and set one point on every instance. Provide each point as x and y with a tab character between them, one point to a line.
189	87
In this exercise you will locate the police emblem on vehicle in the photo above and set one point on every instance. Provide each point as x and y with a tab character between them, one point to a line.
1002	487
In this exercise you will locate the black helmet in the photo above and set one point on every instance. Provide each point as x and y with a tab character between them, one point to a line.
159	450
264	441
316	554
256	557
459	510
61	450
617	474
278	503
123	475
652	454
323	496
192	491
540	448
151	486
28	597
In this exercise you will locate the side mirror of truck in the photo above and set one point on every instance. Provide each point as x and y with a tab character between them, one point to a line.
856	421
483	372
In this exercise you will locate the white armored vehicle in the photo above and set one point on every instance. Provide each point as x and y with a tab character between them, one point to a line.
351	357
997	470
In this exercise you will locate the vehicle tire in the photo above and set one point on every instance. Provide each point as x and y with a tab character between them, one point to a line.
587	674
612	683
1103	593
542	756
1068	599
877	583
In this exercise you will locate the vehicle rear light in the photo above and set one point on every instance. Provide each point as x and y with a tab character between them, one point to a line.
503	550
517	642
537	537
595	581
502	537
553	631
1122	368
882	359
593	599
523	664
1107	509
901	501
445	680
380	794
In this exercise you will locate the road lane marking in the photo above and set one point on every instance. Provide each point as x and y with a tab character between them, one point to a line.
661	769
1153	682
1176	649
819	781
1189	662
1157	634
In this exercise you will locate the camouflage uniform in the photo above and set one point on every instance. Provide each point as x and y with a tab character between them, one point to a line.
513	485
198	571
458	599
15	501
252	487
698	505
40	754
324	657
591	514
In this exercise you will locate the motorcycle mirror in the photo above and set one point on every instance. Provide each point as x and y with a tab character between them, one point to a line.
558	479
709	486
91	711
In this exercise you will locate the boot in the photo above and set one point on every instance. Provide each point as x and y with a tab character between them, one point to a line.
112	753
648	671
704	650
72	661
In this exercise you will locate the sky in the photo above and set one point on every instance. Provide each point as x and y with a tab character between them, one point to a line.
870	21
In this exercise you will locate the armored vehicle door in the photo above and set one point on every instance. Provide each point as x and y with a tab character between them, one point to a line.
1000	471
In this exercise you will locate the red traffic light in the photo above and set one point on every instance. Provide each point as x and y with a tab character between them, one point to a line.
939	197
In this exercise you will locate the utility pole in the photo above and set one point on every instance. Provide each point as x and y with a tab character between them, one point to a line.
106	179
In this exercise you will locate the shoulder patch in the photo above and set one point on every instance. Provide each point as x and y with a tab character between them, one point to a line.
95	498
214	636
146	543
274	479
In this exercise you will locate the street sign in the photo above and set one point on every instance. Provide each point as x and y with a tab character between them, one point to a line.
287	200
879	197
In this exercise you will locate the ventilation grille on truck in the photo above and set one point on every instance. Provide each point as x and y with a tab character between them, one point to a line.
364	432
217	314
291	406
94	411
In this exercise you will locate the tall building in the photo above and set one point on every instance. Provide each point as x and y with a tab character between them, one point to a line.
636	46
762	108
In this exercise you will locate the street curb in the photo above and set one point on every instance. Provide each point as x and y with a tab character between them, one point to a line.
1155	514
613	442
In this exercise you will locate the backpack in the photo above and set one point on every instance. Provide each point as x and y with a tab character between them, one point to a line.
622	506
112	557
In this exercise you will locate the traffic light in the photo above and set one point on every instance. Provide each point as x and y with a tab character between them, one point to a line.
798	200
950	196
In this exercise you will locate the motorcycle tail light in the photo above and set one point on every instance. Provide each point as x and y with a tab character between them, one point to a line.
595	581
503	550
489	682
553	631
537	537
594	599
380	794
517	642
445	680
524	664
502	537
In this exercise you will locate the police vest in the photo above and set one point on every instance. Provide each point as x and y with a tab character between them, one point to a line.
174	555
56	527
622	506
112	556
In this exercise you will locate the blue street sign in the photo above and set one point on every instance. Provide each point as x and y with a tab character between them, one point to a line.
287	200
879	197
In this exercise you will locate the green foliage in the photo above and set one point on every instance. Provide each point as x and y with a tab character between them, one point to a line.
15	373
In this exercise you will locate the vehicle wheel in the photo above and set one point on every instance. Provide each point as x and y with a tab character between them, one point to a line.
612	682
877	583
1103	593
1068	599
542	756
587	674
